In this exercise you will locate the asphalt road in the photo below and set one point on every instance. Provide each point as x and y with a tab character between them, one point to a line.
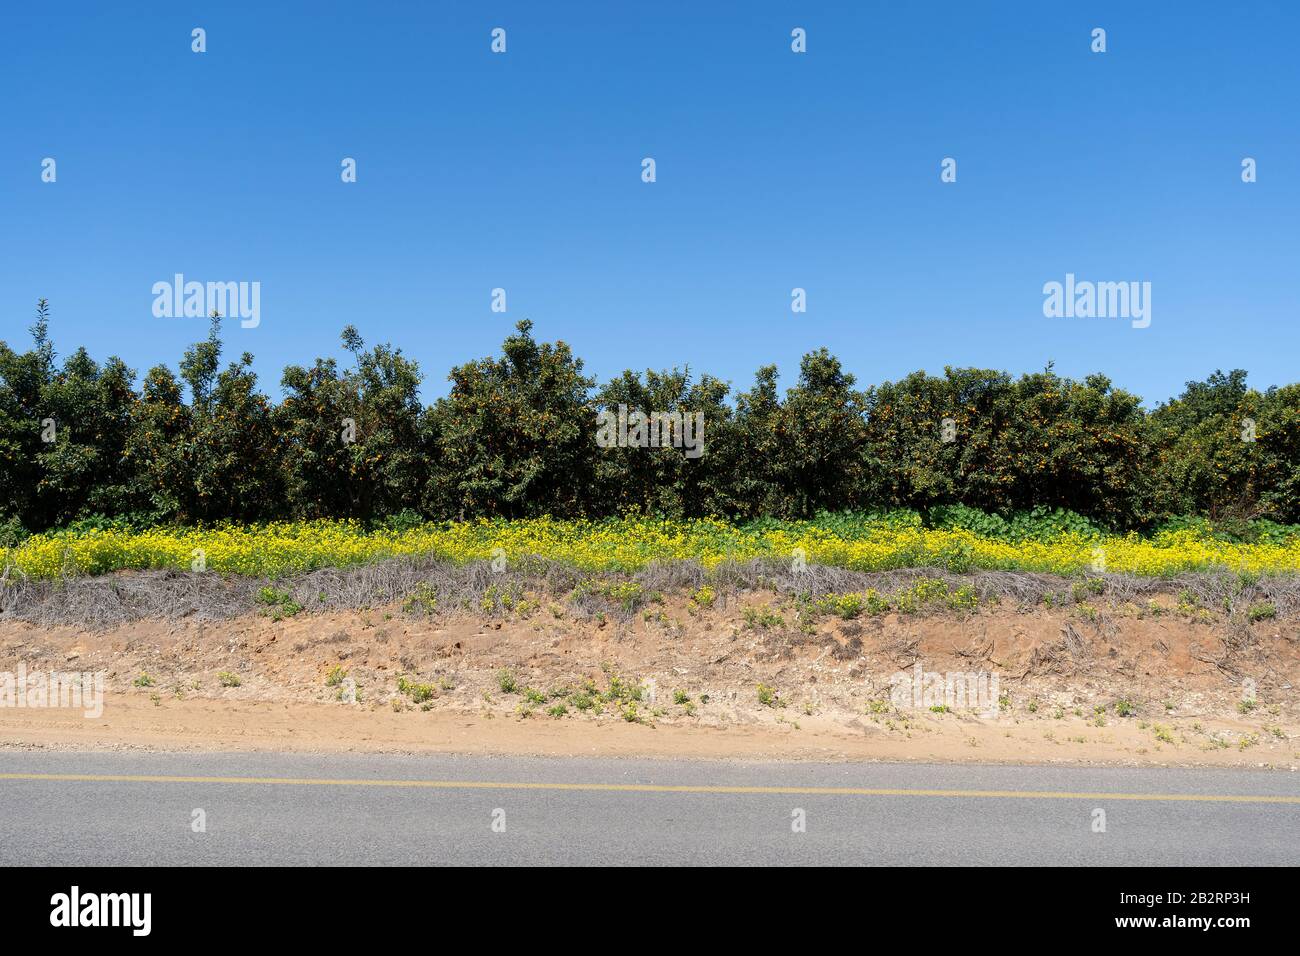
402	810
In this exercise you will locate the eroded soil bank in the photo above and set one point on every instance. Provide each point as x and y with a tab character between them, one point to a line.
1107	674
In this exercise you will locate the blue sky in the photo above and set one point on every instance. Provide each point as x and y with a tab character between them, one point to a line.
775	170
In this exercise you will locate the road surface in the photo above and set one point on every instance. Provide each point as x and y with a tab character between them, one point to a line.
248	809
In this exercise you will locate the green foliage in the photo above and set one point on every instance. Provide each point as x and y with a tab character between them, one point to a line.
12	533
424	599
847	606
626	595
1229	453
664	479
419	693
704	596
1024	458
235	453
1040	441
357	443
802	455
762	618
1262	611
516	436
278	604
1038	524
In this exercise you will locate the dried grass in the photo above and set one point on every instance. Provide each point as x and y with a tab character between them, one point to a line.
109	600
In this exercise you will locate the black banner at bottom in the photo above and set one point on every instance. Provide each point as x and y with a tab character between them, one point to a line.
400	906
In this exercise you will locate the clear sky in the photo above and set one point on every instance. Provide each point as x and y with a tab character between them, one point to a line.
775	170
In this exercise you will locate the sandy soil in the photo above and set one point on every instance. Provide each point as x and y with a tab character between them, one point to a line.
1115	684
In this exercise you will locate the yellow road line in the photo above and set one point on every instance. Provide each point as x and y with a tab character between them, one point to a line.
654	788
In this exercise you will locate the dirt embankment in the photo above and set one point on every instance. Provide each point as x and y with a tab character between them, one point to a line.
615	668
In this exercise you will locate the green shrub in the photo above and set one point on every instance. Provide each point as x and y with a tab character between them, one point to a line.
1262	612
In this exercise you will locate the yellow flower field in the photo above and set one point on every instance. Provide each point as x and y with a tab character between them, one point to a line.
629	544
